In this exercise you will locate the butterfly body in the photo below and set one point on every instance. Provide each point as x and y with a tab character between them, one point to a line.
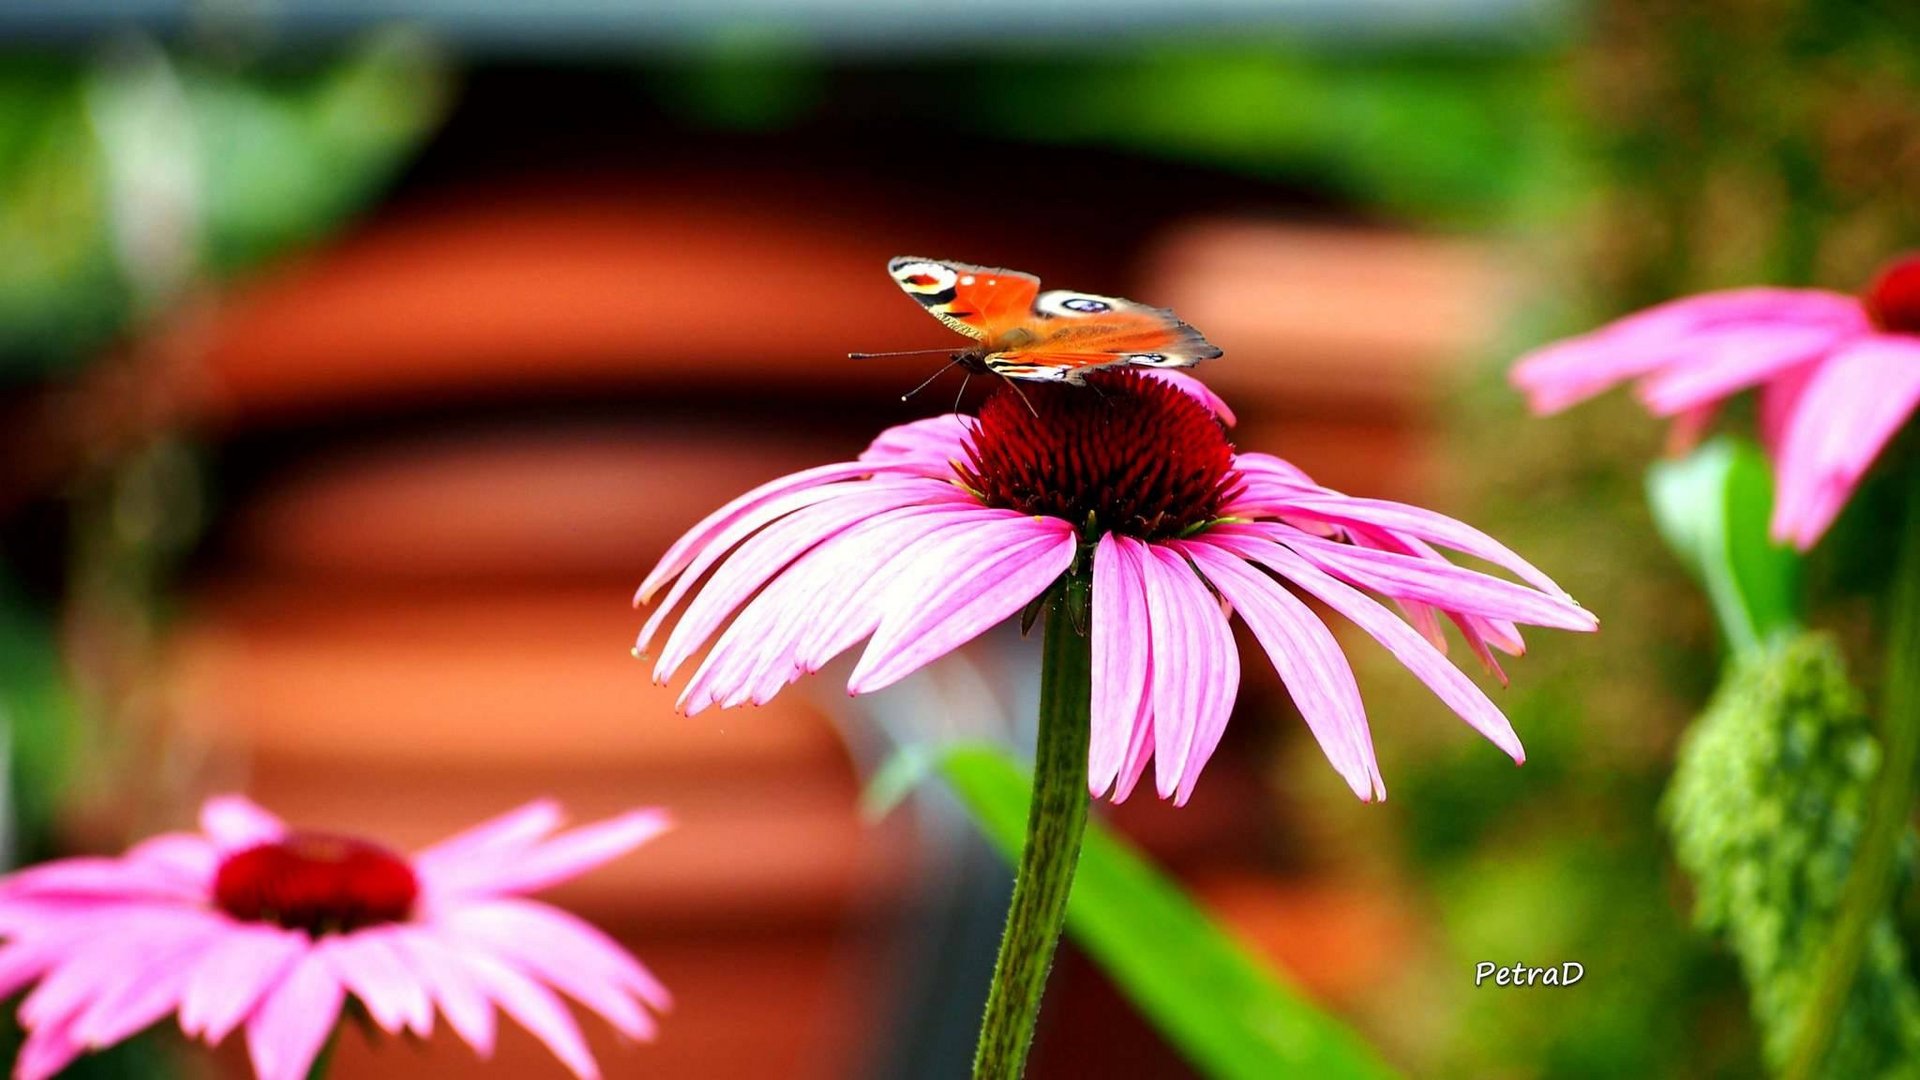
1054	336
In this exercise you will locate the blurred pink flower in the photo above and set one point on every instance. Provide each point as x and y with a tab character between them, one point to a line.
1838	377
945	527
249	923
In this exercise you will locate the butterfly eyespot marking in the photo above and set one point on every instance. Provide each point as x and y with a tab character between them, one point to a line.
922	278
1081	303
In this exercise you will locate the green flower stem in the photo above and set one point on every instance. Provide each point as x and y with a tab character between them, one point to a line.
1868	894
1056	818
323	1061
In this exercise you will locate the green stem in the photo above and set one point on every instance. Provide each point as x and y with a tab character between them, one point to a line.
1868	894
323	1061
1056	818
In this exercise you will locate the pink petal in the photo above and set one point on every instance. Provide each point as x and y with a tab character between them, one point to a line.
97	964
371	968
928	447
761	651
479	849
232	974
769	552
592	973
234	822
48	1049
1733	360
451	985
94	877
727	520
1778	401
1849	410
1120	657
950	604
536	1009
149	988
697	561
293	1021
1419	657
1194	388
186	857
1196	671
1421	524
570	854
1428	581
1140	750
1308	659
857	614
1569	371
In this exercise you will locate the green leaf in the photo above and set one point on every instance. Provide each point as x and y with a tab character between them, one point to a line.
1227	1012
1712	509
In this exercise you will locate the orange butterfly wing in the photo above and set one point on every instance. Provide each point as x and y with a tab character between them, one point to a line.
982	302
1074	333
1056	336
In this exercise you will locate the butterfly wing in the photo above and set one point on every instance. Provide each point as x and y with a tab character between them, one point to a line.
1069	334
982	302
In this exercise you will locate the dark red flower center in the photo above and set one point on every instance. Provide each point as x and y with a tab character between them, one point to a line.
1893	300
316	883
1127	451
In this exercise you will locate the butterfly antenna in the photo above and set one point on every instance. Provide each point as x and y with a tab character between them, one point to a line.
928	381
897	352
1015	383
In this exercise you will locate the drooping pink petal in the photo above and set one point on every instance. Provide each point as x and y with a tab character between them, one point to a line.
1196	671
1194	388
561	960
1140	750
92	965
370	967
292	1021
149	987
1427	664
1308	660
590	947
856	614
1778	400
926	447
232	974
1121	631
479	849
536	1009
98	878
1575	369
188	858
769	551
1440	584
1852	405
930	617
696	562
1421	524
761	651
571	853
461	999
1735	359
707	535
47	1049
234	822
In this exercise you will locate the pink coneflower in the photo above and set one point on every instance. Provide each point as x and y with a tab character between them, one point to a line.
1838	376
248	923
945	527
